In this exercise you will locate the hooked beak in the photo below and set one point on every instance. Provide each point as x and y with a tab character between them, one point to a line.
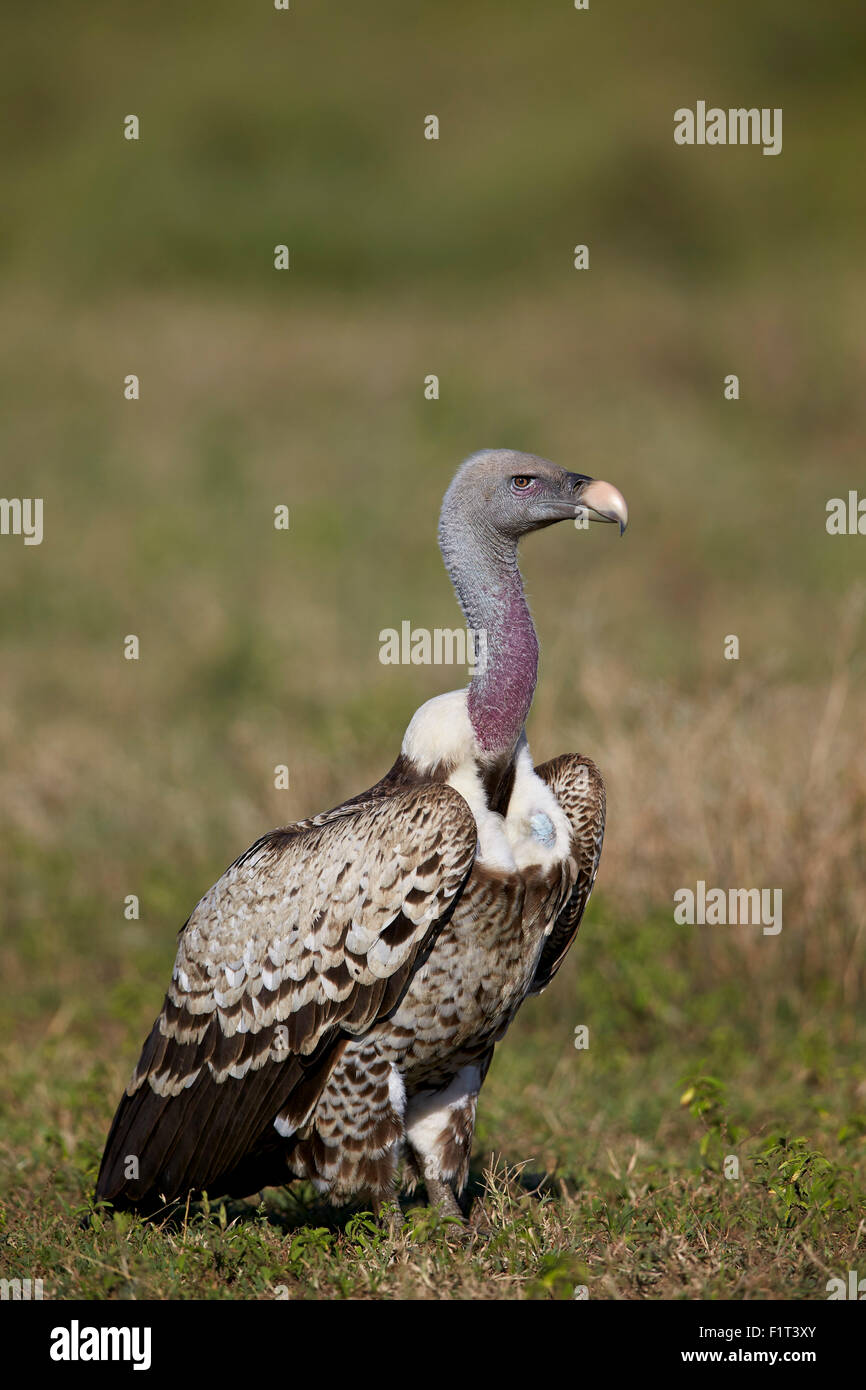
602	502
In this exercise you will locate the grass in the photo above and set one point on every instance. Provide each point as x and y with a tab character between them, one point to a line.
602	1167
613	1177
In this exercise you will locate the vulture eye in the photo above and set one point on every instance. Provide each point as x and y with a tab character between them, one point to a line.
521	482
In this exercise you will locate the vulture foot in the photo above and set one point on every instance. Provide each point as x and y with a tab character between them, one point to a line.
440	1195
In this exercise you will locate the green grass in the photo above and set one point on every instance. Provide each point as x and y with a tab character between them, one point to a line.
602	1168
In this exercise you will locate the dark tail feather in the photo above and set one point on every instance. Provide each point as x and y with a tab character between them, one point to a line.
214	1136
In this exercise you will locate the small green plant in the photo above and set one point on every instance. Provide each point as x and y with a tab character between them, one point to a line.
806	1185
706	1099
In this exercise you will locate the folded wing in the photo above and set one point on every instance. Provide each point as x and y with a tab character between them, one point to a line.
306	940
578	787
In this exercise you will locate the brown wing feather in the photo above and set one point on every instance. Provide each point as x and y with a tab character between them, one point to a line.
578	787
310	936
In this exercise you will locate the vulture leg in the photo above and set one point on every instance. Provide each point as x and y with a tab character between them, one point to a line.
441	1194
440	1125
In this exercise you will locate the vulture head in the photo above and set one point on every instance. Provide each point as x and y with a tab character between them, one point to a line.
501	493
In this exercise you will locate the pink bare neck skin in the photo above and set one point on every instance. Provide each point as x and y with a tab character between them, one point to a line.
500	696
483	567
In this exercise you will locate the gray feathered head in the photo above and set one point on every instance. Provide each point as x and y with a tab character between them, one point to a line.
501	493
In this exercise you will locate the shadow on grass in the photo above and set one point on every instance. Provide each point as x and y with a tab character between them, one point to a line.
297	1206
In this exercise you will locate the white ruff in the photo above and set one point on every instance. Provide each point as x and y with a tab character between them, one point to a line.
441	731
538	829
535	830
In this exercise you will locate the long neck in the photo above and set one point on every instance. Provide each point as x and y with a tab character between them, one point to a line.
484	572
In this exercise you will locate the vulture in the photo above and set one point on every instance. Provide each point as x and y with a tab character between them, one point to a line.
338	993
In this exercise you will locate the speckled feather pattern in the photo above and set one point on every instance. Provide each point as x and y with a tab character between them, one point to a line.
341	972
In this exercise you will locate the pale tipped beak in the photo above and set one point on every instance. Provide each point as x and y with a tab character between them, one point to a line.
603	502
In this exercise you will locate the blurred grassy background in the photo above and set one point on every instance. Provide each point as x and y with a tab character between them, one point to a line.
259	647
